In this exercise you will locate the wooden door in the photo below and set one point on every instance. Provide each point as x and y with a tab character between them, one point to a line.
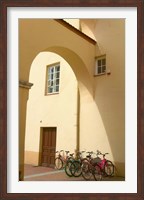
48	147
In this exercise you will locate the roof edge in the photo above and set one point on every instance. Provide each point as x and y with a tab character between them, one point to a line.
75	30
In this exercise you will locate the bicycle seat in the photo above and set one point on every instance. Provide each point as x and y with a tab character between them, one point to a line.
67	151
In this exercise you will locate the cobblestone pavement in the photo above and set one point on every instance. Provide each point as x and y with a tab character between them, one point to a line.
39	173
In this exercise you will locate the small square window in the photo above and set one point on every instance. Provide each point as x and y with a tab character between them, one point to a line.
100	66
99	62
103	69
99	70
103	61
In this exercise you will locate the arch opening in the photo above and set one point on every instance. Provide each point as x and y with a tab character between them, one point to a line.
85	81
61	111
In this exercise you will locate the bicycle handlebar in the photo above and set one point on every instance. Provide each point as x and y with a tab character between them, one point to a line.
99	153
80	152
90	152
59	151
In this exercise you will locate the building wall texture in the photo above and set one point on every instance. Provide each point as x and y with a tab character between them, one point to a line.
102	109
53	110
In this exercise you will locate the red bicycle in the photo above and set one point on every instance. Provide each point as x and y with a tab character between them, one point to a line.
106	166
90	168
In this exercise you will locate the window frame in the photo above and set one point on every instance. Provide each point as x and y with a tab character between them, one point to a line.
97	66
53	80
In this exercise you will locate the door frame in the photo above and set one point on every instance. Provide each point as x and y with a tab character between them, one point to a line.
41	142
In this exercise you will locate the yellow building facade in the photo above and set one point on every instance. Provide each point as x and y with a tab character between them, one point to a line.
83	107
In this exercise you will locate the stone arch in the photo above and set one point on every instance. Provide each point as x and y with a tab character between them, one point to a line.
37	35
85	86
85	81
80	54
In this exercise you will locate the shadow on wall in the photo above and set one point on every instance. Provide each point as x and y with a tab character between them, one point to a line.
110	102
79	68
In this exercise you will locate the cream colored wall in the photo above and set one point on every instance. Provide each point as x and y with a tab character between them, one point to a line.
107	123
49	35
23	96
74	22
42	38
87	26
102	114
54	110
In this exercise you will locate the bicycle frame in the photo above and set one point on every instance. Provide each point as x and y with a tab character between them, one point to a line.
90	168
105	164
102	162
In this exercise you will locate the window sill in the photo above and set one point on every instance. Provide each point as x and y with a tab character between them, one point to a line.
99	75
49	94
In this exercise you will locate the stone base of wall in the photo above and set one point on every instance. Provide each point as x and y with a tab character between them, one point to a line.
31	158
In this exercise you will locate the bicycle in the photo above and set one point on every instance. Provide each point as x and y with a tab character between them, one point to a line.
90	168
69	165
106	166
60	160
73	167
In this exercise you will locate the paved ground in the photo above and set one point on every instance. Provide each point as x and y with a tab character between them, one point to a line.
38	173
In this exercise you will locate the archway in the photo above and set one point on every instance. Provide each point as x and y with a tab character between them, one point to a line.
80	55
79	51
46	110
84	81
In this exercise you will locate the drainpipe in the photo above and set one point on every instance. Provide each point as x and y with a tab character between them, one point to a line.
78	122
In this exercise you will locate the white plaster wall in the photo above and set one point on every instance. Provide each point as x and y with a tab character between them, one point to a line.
54	110
106	126
102	116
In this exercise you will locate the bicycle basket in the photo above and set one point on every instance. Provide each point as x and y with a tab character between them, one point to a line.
96	160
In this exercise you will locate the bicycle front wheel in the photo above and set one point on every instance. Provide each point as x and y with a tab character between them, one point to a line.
97	173
58	163
109	168
76	169
69	167
86	172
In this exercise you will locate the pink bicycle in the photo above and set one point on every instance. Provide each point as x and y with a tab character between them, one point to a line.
61	160
106	166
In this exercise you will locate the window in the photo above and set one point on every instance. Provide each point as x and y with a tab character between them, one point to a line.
53	79
100	66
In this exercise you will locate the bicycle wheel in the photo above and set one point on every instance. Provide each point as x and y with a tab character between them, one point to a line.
58	163
86	172
69	168
109	168
97	173
76	169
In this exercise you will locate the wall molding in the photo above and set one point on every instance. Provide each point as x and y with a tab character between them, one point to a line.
25	84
